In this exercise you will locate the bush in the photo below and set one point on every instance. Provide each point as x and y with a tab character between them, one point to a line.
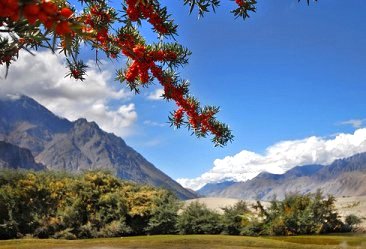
236	217
196	218
114	229
164	215
300	214
65	234
89	205
351	222
9	230
254	228
87	231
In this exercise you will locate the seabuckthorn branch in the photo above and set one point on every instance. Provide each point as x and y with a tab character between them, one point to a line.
31	24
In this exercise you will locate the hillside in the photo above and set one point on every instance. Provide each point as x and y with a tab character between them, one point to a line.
75	146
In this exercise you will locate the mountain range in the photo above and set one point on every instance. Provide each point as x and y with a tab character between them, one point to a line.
343	177
40	139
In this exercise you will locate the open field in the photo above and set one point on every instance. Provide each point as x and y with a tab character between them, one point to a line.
195	242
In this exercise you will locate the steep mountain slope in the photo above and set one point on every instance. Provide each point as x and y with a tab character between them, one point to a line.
345	177
75	146
14	157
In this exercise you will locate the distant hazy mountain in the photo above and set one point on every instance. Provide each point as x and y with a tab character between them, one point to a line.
60	144
14	157
211	189
344	177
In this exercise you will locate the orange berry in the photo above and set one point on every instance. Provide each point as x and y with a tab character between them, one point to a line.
31	10
66	12
63	28
32	19
43	17
14	16
49	8
12	5
48	23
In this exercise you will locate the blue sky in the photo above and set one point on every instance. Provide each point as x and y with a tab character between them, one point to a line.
291	72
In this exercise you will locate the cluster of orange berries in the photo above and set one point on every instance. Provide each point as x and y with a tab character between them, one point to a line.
98	15
137	9
199	121
178	116
9	8
48	13
143	59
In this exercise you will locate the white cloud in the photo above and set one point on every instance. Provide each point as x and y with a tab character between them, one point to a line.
42	77
156	95
355	123
153	123
281	157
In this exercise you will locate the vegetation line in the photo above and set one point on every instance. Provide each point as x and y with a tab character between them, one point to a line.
99	205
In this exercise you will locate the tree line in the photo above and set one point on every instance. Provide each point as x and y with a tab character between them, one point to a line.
97	204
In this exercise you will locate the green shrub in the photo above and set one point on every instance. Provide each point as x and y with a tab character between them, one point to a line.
114	229
236	217
351	222
89	205
65	234
196	218
300	214
164	215
87	231
9	230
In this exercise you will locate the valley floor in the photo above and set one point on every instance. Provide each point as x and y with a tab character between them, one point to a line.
196	242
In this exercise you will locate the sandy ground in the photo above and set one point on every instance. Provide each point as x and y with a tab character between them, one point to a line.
345	205
353	205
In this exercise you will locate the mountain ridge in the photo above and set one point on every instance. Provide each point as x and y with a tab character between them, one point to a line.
343	177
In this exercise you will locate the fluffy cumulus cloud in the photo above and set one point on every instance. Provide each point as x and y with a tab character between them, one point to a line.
156	95
281	157
42	77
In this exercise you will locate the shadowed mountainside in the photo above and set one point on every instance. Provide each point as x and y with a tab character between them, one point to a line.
12	156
